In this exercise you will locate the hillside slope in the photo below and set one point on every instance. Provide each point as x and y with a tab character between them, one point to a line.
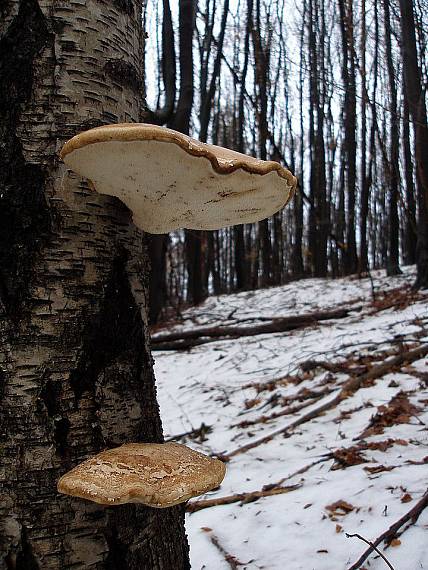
330	420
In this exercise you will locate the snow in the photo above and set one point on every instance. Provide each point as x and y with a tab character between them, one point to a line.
226	382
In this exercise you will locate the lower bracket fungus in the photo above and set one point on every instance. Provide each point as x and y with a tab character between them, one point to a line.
154	474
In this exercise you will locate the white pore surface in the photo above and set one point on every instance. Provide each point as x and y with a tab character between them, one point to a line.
215	384
167	188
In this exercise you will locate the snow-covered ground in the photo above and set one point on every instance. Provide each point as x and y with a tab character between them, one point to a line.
233	386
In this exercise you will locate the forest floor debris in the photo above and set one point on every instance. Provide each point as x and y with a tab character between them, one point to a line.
333	413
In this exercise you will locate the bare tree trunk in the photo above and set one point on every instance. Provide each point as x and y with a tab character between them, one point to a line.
416	100
241	253
319	216
350	123
207	96
410	232
262	57
363	261
297	266
75	368
157	247
392	266
181	122
158	244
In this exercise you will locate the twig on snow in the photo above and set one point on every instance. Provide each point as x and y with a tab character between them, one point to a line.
239	498
348	389
303	469
372	547
196	433
391	533
233	562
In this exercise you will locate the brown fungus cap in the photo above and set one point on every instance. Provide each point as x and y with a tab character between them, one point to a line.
172	181
154	474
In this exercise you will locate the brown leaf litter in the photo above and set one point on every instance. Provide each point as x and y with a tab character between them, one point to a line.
398	411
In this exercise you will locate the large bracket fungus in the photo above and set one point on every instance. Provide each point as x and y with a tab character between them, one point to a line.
154	474
171	181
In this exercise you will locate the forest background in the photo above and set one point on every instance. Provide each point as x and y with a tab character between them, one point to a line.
333	89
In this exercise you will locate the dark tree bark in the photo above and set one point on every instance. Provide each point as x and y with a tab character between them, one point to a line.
318	215
350	124
178	119
297	266
410	232
168	65
157	244
181	122
416	100
363	259
207	95
76	373
181	118
262	57
241	252
392	265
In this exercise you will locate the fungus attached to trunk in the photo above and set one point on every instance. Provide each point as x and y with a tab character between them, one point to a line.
171	181
154	474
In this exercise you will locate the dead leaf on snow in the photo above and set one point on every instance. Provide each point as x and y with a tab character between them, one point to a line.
348	456
340	508
423	461
379	469
398	411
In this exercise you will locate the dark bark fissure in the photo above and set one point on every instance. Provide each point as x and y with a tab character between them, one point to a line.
25	559
126	6
50	396
24	215
113	342
114	331
124	73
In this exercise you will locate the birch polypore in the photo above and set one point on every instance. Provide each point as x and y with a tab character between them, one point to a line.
171	181
154	474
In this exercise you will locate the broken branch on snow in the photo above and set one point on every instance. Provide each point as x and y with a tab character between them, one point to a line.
239	498
392	531
183	340
348	389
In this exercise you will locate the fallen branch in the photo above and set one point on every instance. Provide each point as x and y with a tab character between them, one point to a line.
300	471
269	384
391	533
196	433
285	412
184	340
348	388
239	498
233	562
267	490
372	546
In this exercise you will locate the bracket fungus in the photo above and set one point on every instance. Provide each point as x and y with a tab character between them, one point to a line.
171	181
154	474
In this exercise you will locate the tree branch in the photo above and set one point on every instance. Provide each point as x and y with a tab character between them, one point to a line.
348	388
391	533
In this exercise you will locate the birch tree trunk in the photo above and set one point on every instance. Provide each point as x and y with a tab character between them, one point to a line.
76	373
